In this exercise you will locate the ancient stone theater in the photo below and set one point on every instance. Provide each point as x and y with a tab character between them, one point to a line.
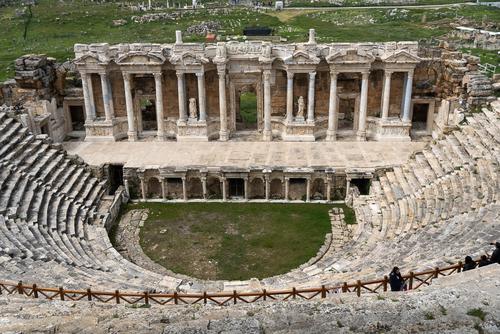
405	134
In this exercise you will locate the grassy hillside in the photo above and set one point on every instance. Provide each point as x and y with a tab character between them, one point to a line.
56	25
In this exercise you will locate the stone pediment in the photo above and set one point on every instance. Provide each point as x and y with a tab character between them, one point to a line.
140	58
302	57
188	58
88	59
349	56
402	57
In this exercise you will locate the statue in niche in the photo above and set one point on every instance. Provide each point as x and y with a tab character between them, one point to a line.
301	107
220	52
193	113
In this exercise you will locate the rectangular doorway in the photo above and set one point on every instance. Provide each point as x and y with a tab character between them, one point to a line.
115	173
246	117
77	118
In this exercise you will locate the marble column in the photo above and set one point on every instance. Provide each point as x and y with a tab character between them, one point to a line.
308	190
90	88
127	187
310	97
143	188
267	186
289	97
202	96
132	132
328	188
89	111
331	133
223	134
204	187
246	188
184	189
407	96
386	94
159	106
107	97
181	96
224	186
287	187
267	133
363	106
347	186
163	190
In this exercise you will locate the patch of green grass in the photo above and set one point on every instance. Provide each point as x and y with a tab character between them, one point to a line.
233	241
248	108
429	316
477	312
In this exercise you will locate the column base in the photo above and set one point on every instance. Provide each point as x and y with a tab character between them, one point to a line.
223	136
267	135
132	136
161	137
331	135
361	136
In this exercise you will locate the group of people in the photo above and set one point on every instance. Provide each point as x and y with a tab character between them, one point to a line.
397	282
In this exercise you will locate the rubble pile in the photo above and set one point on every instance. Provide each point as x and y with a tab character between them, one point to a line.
35	71
203	28
154	17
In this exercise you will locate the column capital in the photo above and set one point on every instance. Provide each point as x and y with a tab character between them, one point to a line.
312	75
289	75
126	76
183	178
365	74
266	74
334	73
410	73
103	74
180	74
388	73
200	74
158	75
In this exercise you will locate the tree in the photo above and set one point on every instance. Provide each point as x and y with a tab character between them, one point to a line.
28	15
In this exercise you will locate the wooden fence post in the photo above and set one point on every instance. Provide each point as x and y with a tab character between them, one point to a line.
20	287
344	287
235	297
358	288
410	284
436	272
264	294
61	293
204	297
117	296
323	291
176	298
460	265
146	297
35	291
89	295
384	283
294	292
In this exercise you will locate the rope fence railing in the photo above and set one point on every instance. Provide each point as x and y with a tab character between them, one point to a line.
412	280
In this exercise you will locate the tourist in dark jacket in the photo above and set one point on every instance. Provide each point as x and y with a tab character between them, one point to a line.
469	264
483	261
396	280
495	257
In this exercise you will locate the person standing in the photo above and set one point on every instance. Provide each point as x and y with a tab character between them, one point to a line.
396	280
495	257
469	264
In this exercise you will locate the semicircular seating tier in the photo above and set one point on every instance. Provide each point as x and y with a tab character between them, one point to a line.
433	210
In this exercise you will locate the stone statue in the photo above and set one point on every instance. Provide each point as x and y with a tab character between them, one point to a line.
220	52
193	113
301	108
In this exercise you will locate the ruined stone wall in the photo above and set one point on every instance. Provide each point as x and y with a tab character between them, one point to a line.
212	93
278	94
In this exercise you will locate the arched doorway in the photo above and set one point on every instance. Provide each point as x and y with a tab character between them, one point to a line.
214	188
257	189
276	191
194	188
318	190
154	188
297	189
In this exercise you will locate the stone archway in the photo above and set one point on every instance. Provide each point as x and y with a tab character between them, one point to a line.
276	191
153	188
318	190
194	188
174	188
214	188
257	189
297	189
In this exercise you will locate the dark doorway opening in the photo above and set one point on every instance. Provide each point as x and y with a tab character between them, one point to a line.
115	178
77	118
297	190
246	118
419	118
148	115
236	188
363	185
44	129
346	114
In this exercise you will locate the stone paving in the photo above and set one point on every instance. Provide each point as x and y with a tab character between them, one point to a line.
246	154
